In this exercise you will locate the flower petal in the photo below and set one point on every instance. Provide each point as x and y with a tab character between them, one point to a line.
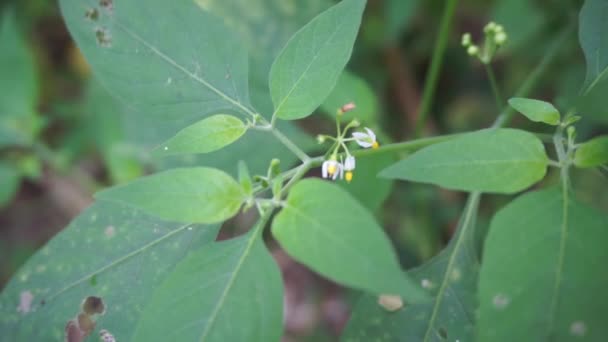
364	144
371	134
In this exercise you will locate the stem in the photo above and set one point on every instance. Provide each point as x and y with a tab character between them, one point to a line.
300	172
531	82
290	145
494	84
405	146
433	74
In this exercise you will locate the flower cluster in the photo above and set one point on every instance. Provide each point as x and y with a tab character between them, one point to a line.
343	165
495	37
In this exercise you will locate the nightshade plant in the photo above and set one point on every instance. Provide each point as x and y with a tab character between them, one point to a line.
143	263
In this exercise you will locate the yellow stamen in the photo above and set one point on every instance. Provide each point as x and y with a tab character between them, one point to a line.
331	169
375	144
348	176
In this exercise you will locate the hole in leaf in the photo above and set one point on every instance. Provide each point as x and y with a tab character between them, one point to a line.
77	329
107	4
443	333
93	305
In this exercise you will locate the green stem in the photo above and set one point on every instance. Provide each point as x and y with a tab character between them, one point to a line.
495	90
405	146
290	145
532	81
432	77
300	172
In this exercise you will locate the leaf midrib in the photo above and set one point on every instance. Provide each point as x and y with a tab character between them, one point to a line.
560	260
220	303
471	203
117	261
313	59
176	65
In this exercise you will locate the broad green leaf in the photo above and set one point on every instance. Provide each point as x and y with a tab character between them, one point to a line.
256	148
592	34
352	88
111	251
264	26
451	277
9	182
18	86
200	194
398	14
366	187
592	153
535	110
323	227
213	289
543	276
171	71
308	68
207	135
491	160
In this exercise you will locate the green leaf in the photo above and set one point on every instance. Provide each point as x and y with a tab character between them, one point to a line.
593	37
256	148
543	275
352	88
200	194
9	182
207	135
451	277
18	86
230	281
491	160
592	153
308	68
535	110
171	71
366	187
264	26
323	227
110	251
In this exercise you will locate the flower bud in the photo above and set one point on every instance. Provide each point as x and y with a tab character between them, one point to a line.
472	50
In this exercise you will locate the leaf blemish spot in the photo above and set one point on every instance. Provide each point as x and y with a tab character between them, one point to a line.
109	232
426	284
25	302
500	301
92	14
169	81
104	38
106	336
578	328
456	275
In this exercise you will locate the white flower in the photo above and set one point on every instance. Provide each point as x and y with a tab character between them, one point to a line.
366	140
349	163
349	166
332	168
